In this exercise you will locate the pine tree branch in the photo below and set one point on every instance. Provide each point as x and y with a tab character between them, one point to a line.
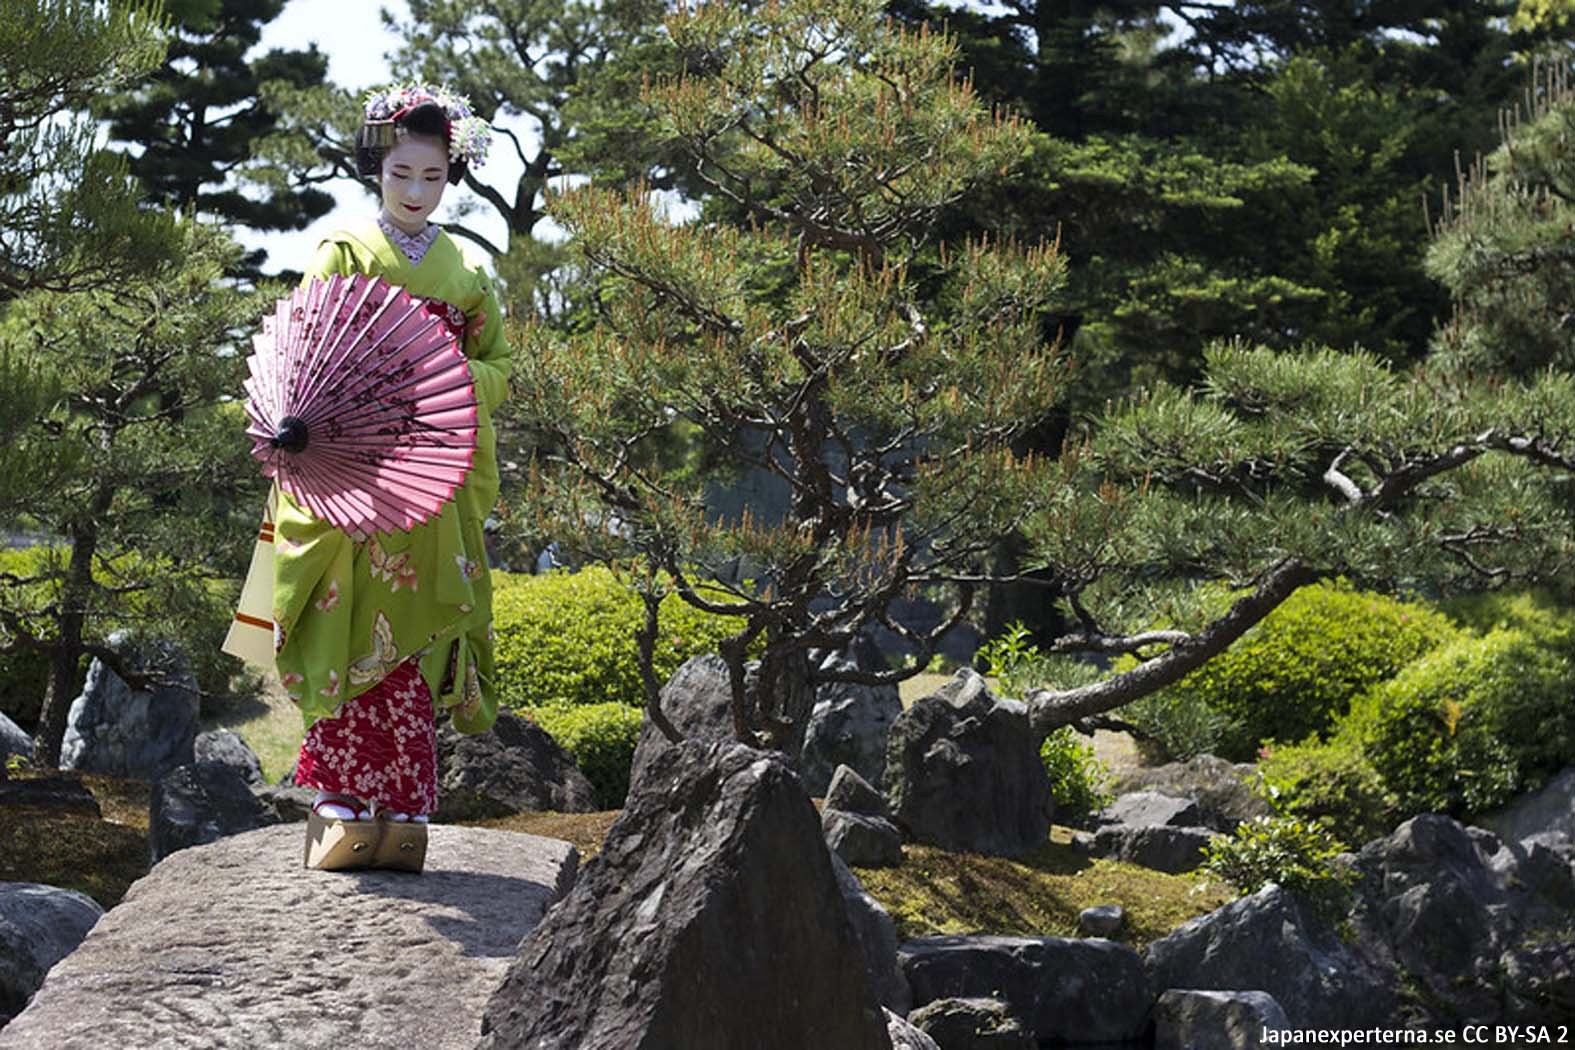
1050	709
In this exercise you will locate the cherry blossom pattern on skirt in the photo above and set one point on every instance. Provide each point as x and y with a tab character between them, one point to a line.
381	746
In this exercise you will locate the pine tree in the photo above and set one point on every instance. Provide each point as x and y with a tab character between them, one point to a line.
69	215
829	341
134	463
194	121
1282	468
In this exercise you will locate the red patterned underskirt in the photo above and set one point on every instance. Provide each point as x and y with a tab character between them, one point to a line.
381	746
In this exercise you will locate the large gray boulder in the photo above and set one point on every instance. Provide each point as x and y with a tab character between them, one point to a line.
13	741
1160	847
1062	991
1444	904
224	747
710	920
972	1024
1539	984
877	938
1221	790
138	734
1186	1019
235	944
514	767
697	701
1271	942
1151	809
201	803
963	772
848	725
1151	829
1545	814
39	926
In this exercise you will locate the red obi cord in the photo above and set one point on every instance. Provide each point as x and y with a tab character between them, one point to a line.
381	746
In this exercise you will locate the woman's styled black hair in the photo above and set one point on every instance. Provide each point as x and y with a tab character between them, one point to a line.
428	120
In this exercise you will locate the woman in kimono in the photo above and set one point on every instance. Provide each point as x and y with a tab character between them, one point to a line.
374	633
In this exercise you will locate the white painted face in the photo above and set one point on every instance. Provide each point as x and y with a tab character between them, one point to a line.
415	172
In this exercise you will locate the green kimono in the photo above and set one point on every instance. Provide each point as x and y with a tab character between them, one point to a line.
347	610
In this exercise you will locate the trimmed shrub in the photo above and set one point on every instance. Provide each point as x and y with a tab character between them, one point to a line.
601	737
1299	670
1333	783
1298	854
1472	724
1079	781
569	638
1536	612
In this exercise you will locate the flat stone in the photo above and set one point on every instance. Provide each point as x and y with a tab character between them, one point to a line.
1150	808
1102	920
235	944
1060	990
1188	1019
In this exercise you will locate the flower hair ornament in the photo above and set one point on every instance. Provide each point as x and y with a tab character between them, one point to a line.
469	136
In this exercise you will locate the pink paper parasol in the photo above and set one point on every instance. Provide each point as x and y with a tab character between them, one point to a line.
361	404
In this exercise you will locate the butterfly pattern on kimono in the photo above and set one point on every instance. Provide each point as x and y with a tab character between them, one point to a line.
393	569
384	657
329	600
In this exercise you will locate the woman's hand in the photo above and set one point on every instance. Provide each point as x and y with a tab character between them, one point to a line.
476	324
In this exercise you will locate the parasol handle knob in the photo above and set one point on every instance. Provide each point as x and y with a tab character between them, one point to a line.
291	435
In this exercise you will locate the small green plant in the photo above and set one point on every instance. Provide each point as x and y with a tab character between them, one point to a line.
1019	666
1175	725
1295	853
601	738
1079	780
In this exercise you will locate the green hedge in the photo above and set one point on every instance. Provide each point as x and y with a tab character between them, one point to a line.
1299	670
568	638
1472	724
601	737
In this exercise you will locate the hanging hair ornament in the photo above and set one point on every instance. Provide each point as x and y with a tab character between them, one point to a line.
469	137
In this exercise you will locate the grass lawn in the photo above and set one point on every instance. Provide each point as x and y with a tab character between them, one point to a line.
269	724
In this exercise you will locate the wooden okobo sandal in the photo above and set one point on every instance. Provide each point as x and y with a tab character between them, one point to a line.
403	846
339	845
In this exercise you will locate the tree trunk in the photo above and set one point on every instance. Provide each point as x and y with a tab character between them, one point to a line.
67	651
785	697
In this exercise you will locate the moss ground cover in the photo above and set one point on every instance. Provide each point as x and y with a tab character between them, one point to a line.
935	892
100	858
